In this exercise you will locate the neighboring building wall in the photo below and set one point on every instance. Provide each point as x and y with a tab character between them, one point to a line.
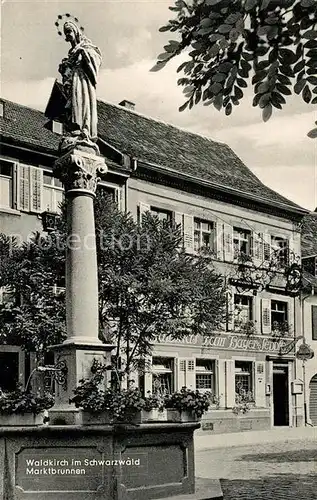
310	331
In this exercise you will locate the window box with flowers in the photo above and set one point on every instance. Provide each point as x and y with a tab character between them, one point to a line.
153	410
186	405
23	408
100	406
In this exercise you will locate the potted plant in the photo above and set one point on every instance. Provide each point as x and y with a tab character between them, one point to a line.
153	409
22	407
186	405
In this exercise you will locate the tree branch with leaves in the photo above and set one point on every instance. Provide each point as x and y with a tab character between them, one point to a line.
271	44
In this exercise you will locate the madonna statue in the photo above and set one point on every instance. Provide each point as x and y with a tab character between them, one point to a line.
79	72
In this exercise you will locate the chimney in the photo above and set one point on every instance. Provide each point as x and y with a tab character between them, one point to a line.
127	104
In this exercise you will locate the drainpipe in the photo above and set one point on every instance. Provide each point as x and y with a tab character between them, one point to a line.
302	304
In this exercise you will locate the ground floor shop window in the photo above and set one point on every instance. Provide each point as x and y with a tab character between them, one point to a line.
205	371
162	375
243	377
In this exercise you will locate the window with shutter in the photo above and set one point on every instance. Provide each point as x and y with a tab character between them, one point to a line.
314	322
266	315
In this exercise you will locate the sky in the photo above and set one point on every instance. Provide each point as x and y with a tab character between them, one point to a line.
278	152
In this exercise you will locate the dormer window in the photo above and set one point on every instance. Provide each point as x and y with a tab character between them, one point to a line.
1	109
57	127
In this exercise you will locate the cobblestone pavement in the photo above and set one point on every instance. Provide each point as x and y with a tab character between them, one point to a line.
273	471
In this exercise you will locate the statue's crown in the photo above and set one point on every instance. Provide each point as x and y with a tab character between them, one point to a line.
63	18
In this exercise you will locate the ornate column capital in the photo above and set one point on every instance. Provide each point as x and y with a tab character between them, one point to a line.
80	170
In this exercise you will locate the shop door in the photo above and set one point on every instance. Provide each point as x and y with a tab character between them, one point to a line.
313	400
280	395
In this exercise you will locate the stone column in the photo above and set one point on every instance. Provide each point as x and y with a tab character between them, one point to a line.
78	169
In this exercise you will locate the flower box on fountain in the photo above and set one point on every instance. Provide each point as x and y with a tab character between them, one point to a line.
23	408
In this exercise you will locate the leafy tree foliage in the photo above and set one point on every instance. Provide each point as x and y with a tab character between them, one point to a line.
273	43
34	315
147	286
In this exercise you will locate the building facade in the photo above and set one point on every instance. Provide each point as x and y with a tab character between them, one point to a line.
220	205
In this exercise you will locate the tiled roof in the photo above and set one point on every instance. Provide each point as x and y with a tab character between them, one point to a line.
309	235
151	141
26	126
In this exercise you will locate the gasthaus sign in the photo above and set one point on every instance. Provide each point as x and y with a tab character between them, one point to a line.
230	342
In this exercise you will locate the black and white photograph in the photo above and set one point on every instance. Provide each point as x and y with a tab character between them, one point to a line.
158	250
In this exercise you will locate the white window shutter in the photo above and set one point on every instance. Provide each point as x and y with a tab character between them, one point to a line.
191	374
258	248
23	197
266	315
259	384
118	198
36	189
221	364
219	240
228	242
290	316
267	251
143	208
294	247
188	228
178	219
230	310
181	373
230	384
186	373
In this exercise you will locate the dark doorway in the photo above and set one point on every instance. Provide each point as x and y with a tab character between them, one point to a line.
280	395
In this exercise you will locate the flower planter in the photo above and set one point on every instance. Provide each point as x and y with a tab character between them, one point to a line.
181	416
104	418
89	418
21	419
154	415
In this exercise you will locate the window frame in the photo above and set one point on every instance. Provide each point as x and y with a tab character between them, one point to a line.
277	311
249	374
236	320
157	211
54	189
241	236
279	253
162	371
210	372
12	183
201	232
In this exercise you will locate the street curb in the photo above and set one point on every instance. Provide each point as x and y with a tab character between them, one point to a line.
250	438
206	489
